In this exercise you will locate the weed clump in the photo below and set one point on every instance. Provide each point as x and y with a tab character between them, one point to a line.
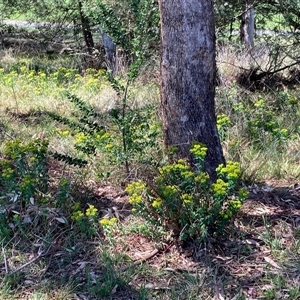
185	201
24	171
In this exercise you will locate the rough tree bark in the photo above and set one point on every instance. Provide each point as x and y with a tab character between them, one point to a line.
86	29
247	28
110	49
188	71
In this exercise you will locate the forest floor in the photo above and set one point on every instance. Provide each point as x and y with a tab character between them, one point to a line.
259	260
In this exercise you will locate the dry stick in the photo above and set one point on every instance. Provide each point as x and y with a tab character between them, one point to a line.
5	261
50	251
266	73
234	65
29	263
16	100
138	261
124	128
146	257
263	73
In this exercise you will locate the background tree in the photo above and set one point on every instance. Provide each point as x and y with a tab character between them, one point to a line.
247	28
132	24
188	72
46	13
86	29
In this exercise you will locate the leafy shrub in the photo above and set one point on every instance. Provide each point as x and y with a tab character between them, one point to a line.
24	171
29	201
185	201
86	221
223	123
124	136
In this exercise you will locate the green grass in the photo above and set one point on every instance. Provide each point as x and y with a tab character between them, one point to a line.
259	256
277	22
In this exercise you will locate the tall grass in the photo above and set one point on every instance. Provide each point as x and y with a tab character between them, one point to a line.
255	132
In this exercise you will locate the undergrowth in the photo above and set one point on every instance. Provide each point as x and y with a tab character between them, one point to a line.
185	201
64	134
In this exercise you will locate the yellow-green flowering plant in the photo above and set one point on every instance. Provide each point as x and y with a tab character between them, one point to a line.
184	200
263	124
86	221
108	225
223	123
24	169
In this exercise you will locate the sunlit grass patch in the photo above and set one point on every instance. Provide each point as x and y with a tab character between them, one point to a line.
25	89
261	125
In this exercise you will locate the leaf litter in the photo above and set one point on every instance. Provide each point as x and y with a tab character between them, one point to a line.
263	243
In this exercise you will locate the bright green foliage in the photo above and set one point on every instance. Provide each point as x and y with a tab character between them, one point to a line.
263	121
86	221
123	136
184	200
133	24
24	171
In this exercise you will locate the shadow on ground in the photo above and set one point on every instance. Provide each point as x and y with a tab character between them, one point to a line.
263	248
47	253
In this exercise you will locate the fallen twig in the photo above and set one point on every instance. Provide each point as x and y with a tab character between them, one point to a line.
51	250
5	261
29	263
140	260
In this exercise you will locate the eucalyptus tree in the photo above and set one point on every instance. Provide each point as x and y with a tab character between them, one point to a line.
247	27
188	72
232	12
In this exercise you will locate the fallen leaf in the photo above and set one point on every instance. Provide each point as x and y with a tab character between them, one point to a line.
13	196
252	242
27	219
114	290
271	262
61	220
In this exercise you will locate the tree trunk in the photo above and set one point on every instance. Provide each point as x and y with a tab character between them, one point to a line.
188	71
110	49
247	29
86	29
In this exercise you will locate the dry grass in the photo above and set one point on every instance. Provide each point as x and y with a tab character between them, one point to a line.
232	62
